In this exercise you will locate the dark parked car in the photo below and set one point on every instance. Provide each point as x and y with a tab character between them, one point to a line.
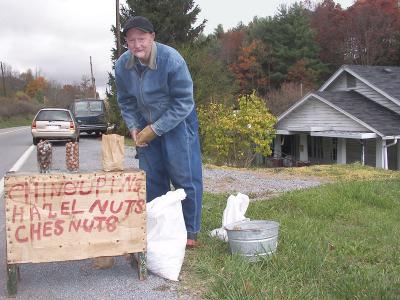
90	115
54	124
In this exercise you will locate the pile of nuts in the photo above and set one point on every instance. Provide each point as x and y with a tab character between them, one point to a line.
44	156
72	156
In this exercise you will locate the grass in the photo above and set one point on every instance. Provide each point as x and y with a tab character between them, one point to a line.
14	122
337	241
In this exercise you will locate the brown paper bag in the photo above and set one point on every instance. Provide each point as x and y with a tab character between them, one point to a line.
103	262
113	150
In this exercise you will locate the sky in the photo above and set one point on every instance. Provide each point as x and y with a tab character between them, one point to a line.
55	38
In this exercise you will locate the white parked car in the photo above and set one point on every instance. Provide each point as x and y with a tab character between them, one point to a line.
54	124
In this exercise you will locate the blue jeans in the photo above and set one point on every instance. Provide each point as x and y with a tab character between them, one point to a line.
175	158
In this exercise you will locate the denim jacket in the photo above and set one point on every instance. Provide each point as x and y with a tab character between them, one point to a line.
161	95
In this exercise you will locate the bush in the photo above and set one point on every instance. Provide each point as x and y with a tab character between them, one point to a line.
10	108
235	137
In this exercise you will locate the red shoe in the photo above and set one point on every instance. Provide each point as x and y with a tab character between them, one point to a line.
191	244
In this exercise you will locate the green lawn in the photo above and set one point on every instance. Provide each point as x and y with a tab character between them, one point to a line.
338	241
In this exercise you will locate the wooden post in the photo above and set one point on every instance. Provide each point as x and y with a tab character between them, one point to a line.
380	157
140	261
341	151
303	147
278	146
3	80
118	29
93	80
12	280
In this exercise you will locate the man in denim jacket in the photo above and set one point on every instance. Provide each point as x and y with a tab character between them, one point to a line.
155	95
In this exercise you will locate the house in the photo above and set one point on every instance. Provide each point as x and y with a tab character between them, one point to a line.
354	116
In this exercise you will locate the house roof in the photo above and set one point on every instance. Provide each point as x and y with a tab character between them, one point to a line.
386	78
376	116
383	79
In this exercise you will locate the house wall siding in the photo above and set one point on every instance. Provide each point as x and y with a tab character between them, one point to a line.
313	113
339	84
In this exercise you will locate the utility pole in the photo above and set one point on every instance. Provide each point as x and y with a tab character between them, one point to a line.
93	80
118	29
3	80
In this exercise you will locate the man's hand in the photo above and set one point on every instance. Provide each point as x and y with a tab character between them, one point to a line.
145	136
134	135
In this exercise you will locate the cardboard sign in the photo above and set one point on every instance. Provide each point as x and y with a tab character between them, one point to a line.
62	216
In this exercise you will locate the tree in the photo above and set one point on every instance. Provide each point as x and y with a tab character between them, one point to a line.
35	88
248	68
328	21
290	38
302	74
373	35
366	33
212	80
279	100
173	20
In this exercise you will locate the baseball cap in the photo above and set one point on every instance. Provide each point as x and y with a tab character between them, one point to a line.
138	22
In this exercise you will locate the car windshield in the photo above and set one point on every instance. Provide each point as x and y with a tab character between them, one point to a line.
53	115
85	108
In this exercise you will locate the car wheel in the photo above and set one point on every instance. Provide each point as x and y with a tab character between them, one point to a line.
98	133
35	141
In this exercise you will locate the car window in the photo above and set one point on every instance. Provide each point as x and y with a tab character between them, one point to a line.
96	106
81	106
53	115
88	108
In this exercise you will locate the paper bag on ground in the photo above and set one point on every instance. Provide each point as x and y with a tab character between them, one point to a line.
112	151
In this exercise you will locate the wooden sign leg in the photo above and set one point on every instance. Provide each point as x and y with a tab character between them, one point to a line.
12	280
139	259
142	265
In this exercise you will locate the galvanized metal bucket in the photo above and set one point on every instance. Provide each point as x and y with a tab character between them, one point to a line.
253	239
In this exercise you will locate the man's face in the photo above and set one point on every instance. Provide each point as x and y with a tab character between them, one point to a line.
140	43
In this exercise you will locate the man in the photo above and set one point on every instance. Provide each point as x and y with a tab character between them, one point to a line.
155	95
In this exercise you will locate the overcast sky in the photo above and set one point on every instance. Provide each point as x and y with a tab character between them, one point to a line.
58	36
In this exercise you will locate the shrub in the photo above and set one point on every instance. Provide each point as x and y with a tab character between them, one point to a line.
235	137
10	108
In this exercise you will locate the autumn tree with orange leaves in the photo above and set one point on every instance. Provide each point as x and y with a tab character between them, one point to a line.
248	69
36	87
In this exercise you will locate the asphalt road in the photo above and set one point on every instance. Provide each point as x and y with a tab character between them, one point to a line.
13	143
74	279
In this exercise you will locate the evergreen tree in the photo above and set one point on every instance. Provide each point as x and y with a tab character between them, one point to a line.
290	37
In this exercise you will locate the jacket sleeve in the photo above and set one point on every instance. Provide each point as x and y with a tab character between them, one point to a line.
128	105
181	93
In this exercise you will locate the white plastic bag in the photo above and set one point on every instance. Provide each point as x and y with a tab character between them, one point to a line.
166	235
236	207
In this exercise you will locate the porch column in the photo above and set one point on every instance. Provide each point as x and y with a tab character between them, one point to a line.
278	146
303	147
398	155
341	151
380	153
